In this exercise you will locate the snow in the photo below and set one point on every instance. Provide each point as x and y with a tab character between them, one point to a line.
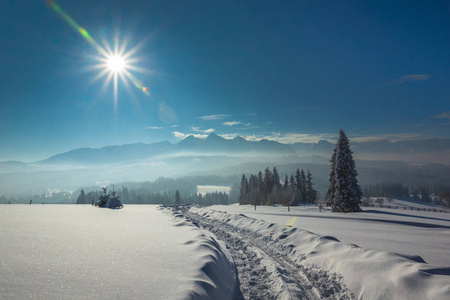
425	234
222	252
332	269
205	189
84	252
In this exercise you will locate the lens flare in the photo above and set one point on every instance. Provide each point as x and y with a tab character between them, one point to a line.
291	222
113	63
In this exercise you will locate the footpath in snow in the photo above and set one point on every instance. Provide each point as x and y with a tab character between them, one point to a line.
285	262
83	252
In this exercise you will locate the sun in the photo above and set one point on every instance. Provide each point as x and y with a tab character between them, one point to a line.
116	63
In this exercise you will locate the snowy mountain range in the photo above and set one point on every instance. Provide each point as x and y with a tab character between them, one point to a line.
433	150
411	162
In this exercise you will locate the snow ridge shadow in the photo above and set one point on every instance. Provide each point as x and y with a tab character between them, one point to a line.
265	267
217	276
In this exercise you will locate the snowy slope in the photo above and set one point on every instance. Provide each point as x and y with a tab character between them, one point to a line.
301	264
425	234
82	252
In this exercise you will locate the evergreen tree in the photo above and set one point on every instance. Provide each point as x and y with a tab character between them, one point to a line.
243	197
297	188
292	182
276	178
260	182
331	192
253	183
302	187
82	199
311	193
253	190
177	197
298	179
267	184
286	183
347	194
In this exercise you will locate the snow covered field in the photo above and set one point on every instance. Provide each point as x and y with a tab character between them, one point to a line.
426	234
147	252
83	252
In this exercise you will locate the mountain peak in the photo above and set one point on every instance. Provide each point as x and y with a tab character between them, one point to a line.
213	136
239	139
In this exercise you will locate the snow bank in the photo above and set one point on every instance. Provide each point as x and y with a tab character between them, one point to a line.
370	274
401	231
217	275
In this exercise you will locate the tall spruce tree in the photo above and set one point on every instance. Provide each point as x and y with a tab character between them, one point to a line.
311	193
347	193
303	194
276	178
331	192
268	184
286	183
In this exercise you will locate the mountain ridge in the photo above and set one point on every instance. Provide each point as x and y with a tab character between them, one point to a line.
217	145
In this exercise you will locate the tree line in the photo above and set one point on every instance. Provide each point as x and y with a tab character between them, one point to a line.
268	189
388	189
130	196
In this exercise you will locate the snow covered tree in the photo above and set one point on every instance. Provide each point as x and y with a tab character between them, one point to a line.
343	183
331	192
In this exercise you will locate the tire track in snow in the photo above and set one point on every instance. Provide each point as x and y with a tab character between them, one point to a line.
265	269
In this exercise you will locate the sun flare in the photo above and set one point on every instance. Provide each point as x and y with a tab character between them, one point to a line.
116	63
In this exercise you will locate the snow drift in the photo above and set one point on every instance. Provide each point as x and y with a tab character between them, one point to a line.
369	274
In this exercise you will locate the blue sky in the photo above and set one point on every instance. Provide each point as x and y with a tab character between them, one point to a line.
283	70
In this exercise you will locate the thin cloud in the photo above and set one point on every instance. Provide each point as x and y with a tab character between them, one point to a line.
288	138
229	136
234	123
214	117
248	127
210	130
395	137
443	116
179	135
153	127
411	77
